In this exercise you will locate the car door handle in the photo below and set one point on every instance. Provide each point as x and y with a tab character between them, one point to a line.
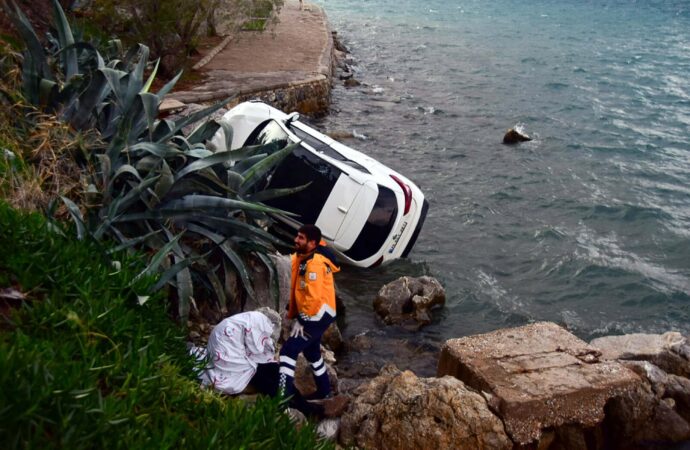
342	209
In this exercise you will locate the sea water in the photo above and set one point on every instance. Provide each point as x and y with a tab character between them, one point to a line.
588	225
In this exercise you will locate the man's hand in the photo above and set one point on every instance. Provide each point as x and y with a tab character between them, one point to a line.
297	330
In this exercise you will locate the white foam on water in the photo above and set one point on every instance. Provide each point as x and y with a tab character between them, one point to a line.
605	251
359	136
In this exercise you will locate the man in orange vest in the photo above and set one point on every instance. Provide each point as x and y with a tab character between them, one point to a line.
312	306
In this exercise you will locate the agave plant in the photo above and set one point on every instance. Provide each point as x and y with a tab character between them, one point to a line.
151	186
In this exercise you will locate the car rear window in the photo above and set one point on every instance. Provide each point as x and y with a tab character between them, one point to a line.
299	168
320	146
378	226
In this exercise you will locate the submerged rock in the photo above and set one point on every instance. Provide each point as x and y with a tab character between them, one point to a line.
409	301
351	82
398	410
513	136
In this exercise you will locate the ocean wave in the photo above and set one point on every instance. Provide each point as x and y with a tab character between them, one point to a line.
605	251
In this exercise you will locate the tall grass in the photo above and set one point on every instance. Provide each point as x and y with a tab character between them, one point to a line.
87	362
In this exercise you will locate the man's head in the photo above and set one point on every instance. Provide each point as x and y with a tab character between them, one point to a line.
307	239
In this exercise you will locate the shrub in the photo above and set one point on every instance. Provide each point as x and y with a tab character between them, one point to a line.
148	184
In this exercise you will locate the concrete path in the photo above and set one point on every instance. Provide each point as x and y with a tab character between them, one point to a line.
296	53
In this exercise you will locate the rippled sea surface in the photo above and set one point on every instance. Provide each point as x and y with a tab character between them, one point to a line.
588	225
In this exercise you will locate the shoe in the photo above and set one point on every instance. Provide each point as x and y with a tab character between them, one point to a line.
335	406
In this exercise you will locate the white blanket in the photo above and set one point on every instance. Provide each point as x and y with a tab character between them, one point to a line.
235	347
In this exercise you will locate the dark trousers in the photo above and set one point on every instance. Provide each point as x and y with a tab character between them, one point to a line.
310	346
265	381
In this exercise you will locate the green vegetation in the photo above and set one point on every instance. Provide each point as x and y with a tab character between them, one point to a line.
145	182
88	361
89	357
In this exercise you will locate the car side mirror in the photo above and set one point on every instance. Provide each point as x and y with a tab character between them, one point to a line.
292	117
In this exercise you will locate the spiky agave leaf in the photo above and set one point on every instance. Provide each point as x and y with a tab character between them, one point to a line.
66	40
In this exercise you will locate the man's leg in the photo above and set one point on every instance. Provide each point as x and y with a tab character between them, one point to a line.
311	345
288	361
313	354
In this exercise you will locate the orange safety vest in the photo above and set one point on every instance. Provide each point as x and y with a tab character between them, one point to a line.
312	289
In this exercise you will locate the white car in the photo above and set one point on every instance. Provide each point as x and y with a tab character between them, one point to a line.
367	212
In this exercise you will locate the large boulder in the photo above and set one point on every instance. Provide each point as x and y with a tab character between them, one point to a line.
538	378
669	351
656	411
409	300
398	410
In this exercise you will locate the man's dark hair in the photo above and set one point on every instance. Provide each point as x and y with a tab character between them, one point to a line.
312	232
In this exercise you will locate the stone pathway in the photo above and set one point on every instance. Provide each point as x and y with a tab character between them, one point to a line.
293	56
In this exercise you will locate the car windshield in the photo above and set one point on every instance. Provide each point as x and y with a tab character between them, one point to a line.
321	146
378	226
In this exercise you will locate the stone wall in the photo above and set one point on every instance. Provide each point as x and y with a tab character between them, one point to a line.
311	97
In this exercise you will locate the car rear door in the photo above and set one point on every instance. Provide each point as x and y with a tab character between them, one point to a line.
338	207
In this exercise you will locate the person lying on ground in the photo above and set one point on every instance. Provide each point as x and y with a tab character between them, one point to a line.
241	354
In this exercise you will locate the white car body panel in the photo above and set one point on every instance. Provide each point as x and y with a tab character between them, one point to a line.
352	199
336	208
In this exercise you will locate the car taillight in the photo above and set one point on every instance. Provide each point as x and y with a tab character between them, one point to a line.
377	263
407	191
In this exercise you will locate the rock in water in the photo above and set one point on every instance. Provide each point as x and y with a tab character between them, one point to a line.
398	410
409	300
514	136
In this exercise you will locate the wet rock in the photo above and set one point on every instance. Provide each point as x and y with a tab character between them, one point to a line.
345	75
398	410
332	338
514	136
359	343
540	377
646	414
351	82
409	300
669	351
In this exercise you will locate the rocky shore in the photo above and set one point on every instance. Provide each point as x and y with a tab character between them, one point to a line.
533	387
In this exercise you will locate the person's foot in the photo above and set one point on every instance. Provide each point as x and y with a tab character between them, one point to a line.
335	406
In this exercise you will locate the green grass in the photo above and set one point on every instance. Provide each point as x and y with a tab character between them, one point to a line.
84	365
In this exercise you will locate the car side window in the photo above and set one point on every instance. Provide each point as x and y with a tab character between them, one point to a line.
302	167
320	146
